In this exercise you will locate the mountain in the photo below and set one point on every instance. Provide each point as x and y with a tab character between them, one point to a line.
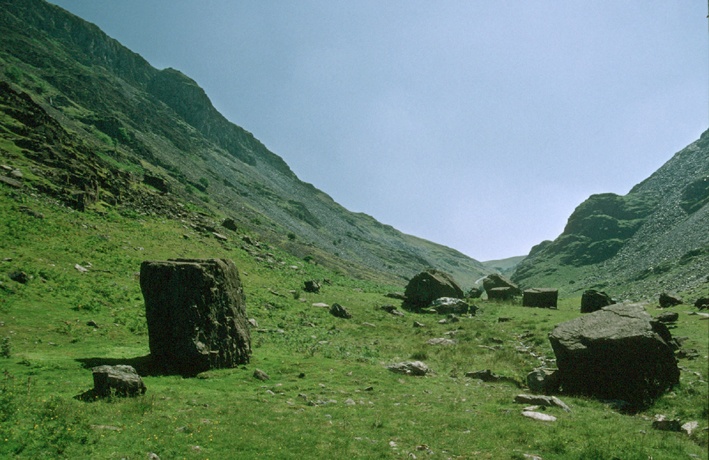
96	126
504	266
654	238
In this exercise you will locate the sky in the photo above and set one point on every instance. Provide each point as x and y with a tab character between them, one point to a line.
479	125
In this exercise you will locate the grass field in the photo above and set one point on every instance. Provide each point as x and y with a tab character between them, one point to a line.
330	394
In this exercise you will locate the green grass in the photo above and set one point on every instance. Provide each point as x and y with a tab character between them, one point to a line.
329	395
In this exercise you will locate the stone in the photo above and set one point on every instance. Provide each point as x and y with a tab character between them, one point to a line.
539	416
338	311
542	400
220	237
540	297
428	286
488	376
229	224
312	286
496	280
668	317
261	375
416	368
667	300
662	423
689	427
391	309
440	341
448	305
11	182
196	314
592	300
19	277
500	293
419	324
616	353
702	303
475	292
543	380
119	380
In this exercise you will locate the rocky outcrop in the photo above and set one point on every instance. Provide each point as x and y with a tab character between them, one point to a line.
196	314
119	380
428	286
615	353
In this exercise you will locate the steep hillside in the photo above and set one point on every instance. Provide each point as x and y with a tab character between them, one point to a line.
654	238
122	134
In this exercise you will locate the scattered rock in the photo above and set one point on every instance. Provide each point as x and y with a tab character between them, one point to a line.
321	305
119	380
592	300
230	224
261	375
539	416
668	317
80	269
440	341
418	324
19	277
503	319
11	182
543	380
417	368
369	325
253	323
448	305
311	286
391	309
542	400
617	352
488	376
495	281
396	295
428	286
540	298
196	314
220	237
667	300
662	423
702	303
339	311
31	212
92	323
689	427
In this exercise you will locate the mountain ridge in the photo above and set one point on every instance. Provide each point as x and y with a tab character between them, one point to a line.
160	124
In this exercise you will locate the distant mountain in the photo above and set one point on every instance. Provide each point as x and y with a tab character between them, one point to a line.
655	238
98	127
504	266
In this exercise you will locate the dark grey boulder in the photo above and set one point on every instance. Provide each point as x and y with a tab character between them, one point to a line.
667	300
616	353
119	380
702	303
592	300
339	311
542	380
501	293
311	286
668	317
196	314
540	297
496	280
428	286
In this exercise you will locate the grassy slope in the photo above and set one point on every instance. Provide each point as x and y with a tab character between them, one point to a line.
229	413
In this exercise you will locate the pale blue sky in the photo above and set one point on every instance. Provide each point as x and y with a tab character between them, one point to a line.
480	125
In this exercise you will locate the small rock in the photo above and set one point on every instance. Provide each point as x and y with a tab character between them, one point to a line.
153	456
668	317
410	368
539	416
689	427
662	423
368	325
350	402
253	322
321	305
339	311
312	286
418	324
441	341
542	400
92	323
80	269
19	277
667	300
261	375
220	237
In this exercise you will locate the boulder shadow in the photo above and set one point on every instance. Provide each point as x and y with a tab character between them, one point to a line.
145	366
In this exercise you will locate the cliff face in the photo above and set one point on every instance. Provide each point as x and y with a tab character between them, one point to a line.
655	237
124	118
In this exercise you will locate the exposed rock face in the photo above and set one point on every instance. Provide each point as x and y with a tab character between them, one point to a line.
120	380
540	297
617	352
498	281
593	300
428	286
196	314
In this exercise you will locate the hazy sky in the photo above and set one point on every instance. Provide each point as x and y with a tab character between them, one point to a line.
479	125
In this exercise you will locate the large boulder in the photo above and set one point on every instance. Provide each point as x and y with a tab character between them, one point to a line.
501	293
496	280
540	297
592	300
616	353
428	286
448	305
196	314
